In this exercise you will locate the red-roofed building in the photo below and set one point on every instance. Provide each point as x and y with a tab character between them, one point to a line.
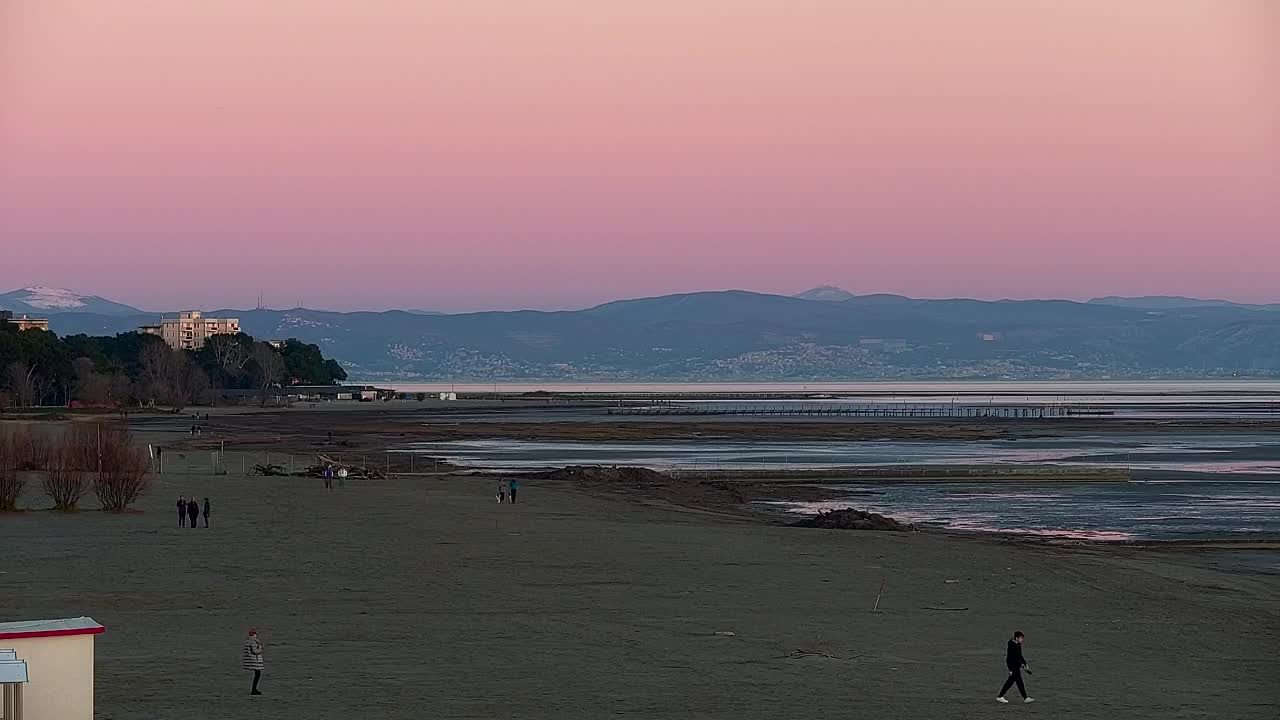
59	666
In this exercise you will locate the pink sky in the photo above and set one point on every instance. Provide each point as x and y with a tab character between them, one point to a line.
468	154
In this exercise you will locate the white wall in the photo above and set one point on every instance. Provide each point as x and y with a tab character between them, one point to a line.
59	674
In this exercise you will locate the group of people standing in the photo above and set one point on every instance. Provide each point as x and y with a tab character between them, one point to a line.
189	508
507	488
329	474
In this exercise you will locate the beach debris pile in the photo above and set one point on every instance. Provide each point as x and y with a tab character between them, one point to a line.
353	471
851	519
609	474
272	470
649	483
317	470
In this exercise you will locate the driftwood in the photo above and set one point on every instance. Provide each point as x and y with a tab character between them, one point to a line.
353	471
799	654
272	470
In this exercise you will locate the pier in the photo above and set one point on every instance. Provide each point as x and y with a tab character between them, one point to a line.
1034	411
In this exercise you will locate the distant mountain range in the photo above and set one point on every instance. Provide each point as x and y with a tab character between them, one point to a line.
738	335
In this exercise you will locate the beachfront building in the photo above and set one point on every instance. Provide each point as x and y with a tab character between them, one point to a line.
24	322
191	328
56	677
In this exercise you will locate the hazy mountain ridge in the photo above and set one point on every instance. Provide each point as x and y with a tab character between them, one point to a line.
1172	302
745	335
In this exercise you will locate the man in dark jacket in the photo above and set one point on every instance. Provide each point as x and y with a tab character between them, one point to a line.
1015	662
182	511
193	511
206	512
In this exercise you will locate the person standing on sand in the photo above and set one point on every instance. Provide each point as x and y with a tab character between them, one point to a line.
342	477
182	511
251	659
502	490
514	486
328	477
1015	662
206	512
193	511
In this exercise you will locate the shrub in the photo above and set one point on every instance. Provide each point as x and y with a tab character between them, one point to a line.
32	448
11	481
124	472
79	447
65	482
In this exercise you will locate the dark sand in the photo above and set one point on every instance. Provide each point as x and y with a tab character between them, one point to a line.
421	598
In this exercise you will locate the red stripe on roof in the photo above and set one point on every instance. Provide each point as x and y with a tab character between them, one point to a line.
51	633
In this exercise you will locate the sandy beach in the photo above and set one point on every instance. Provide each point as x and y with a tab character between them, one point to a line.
421	597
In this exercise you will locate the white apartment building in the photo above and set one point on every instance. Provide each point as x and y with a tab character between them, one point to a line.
191	328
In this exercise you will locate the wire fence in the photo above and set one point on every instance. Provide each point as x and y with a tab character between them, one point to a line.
247	462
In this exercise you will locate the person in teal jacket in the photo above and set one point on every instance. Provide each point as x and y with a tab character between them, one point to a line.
513	485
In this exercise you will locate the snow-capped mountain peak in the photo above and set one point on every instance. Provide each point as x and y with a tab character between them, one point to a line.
826	293
42	300
47	298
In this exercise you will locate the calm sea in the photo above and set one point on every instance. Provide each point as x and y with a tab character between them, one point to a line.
940	388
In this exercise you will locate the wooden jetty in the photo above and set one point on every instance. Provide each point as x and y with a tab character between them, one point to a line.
1033	411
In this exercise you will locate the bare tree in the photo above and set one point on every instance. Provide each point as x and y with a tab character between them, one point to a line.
24	383
92	387
193	384
269	368
229	352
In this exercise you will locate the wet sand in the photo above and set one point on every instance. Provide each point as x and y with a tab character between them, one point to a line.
420	597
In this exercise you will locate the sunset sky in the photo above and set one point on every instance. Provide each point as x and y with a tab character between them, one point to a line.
474	154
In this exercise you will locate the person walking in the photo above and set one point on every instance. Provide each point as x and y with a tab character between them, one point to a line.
206	512
513	487
251	659
328	477
193	511
1015	662
182	511
502	490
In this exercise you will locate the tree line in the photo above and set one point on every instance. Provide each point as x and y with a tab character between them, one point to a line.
136	369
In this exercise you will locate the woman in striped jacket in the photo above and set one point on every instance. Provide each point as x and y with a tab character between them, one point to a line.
251	658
